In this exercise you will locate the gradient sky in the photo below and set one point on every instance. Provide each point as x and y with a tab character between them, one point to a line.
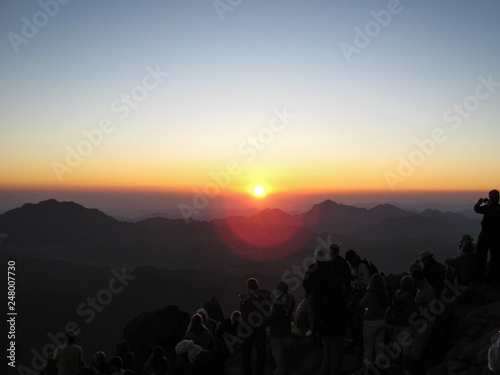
377	95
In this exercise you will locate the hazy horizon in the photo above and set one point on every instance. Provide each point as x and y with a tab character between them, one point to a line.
135	203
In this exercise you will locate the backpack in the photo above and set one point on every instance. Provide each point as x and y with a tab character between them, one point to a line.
258	303
371	267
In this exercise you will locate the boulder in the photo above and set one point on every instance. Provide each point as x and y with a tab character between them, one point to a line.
214	310
165	328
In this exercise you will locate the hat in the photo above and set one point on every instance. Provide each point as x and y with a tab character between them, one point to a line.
425	254
466	238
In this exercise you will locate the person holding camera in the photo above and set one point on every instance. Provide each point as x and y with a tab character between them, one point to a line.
489	238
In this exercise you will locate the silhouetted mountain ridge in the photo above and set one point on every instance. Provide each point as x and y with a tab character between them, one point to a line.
329	216
55	223
69	231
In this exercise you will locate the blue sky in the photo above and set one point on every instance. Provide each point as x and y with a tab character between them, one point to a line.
355	119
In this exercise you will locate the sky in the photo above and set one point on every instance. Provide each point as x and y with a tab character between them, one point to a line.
192	101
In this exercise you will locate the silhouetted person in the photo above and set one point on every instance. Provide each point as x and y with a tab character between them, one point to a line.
301	318
360	277
415	266
200	334
69	357
157	364
489	238
280	324
127	356
466	238
313	287
100	364
116	364
331	313
360	273
253	304
423	300
186	351
404	299
339	266
227	340
434	272
461	270
374	304
207	321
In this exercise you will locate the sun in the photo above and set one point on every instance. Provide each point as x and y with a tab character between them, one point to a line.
258	190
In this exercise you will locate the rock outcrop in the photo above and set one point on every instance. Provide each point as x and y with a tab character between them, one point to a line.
165	327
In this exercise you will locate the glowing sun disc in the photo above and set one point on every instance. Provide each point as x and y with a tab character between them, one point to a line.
258	190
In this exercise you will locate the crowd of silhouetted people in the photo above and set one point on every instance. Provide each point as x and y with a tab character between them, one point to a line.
393	319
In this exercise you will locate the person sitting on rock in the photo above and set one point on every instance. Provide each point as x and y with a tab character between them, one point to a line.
100	365
116	364
157	364
127	356
200	334
466	238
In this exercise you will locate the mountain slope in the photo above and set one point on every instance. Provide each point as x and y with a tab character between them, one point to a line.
329	216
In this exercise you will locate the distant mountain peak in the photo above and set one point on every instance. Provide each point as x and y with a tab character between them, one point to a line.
271	214
53	204
51	222
327	202
387	207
